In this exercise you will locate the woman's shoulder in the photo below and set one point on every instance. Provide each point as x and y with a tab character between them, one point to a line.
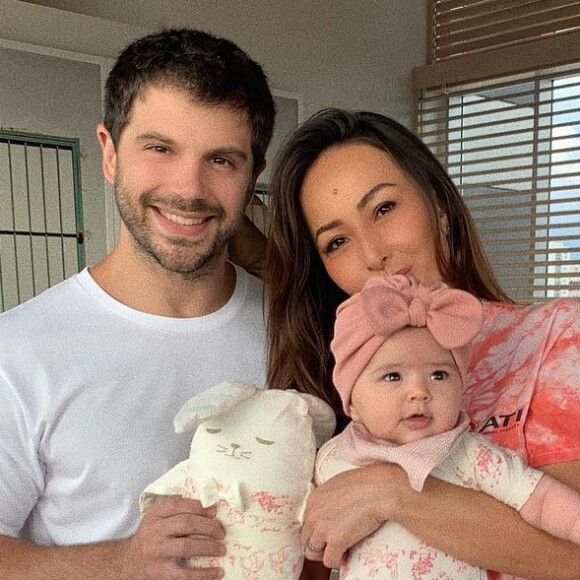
528	328
555	304
559	312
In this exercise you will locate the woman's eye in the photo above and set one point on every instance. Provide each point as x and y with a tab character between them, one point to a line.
391	377
334	244
385	207
439	375
264	441
209	430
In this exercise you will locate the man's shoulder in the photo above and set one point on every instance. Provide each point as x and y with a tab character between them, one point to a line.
43	309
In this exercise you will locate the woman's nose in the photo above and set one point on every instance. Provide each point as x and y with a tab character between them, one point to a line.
378	264
375	260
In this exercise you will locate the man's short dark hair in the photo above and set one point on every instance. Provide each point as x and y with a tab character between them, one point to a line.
210	69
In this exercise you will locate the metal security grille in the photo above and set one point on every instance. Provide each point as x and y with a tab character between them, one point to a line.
41	239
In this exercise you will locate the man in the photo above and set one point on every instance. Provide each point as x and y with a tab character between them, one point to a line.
93	370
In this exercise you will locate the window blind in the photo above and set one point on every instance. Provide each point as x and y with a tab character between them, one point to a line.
512	146
499	105
462	27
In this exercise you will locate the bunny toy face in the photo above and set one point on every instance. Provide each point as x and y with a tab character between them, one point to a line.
265	441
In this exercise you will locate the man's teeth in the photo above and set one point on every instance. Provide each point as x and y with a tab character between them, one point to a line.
182	220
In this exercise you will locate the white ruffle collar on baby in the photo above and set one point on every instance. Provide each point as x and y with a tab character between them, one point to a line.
418	458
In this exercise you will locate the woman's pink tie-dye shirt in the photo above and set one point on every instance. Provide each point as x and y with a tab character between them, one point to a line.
523	387
524	380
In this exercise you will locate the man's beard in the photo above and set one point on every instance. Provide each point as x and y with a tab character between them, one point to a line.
179	255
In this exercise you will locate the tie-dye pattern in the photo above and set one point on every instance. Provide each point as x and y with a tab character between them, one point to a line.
523	389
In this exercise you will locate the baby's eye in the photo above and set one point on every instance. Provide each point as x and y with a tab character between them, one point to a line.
439	375
264	441
390	377
209	430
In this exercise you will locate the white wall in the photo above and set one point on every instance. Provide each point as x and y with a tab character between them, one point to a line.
328	52
348	53
60	98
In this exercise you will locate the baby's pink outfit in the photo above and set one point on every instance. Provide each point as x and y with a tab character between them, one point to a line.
459	457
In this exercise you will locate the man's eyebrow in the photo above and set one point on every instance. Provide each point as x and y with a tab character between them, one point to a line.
364	200
368	196
233	150
153	136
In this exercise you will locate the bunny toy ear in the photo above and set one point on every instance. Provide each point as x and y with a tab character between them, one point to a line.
210	403
323	418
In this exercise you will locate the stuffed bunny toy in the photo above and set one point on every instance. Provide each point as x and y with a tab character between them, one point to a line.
252	454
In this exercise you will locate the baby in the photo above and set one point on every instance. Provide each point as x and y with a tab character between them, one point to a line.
402	351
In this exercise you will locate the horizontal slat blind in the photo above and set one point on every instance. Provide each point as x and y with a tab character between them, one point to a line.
461	27
512	145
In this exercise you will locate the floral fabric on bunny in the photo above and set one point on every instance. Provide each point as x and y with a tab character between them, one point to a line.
252	455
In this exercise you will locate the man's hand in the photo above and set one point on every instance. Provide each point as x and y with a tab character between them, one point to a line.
174	529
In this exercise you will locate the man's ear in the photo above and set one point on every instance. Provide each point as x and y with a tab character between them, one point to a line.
252	185
109	159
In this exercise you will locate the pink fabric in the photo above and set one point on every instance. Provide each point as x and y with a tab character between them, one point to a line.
418	458
523	385
523	388
555	508
392	552
386	305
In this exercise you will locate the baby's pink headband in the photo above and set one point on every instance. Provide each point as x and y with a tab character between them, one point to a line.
386	305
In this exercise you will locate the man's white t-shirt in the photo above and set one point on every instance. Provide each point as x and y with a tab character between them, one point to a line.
88	391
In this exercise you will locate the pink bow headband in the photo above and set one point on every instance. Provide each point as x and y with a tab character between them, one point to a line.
386	305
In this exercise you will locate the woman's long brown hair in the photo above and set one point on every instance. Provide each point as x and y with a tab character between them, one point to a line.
302	299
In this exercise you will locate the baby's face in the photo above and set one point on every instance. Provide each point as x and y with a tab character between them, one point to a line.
410	389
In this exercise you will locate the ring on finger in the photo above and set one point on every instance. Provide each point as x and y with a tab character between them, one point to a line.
313	548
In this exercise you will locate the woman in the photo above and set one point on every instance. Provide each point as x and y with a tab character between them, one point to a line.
355	195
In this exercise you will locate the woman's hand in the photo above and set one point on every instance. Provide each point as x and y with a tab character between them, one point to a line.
349	507
469	525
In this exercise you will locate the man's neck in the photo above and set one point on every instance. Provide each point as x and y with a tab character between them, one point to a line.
148	287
